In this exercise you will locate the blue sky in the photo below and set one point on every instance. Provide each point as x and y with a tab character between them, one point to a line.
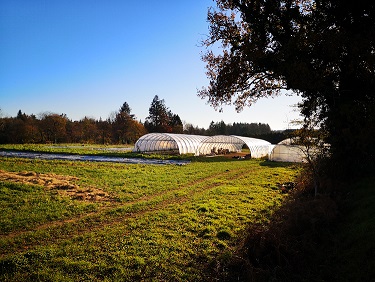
88	57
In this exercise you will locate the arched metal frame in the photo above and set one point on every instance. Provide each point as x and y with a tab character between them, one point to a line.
215	143
286	151
168	142
258	147
200	145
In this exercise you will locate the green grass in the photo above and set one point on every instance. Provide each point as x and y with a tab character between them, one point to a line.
66	148
23	206
164	222
123	151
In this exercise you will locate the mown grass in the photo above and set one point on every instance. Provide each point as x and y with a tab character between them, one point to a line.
163	223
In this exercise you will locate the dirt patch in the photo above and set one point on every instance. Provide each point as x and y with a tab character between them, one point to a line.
62	184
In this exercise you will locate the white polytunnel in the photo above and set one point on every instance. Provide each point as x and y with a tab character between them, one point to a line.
168	142
285	151
258	148
200	145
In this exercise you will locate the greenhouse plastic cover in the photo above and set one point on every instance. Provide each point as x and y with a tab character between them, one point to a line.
284	151
200	145
168	142
258	147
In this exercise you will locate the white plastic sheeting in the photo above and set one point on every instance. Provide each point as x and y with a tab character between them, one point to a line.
200	145
258	147
284	151
168	142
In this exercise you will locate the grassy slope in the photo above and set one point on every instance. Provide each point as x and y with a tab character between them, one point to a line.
164	222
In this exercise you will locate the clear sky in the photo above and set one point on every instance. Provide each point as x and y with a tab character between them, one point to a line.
88	57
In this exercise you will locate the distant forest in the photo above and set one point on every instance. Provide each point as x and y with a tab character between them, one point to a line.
120	128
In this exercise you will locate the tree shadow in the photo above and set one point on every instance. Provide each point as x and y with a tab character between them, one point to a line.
271	164
289	246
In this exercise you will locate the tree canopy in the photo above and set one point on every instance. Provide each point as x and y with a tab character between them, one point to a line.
321	50
125	128
58	128
161	119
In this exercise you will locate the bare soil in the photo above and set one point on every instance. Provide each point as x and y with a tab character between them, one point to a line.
63	184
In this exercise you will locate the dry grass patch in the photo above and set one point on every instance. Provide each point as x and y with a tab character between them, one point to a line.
64	185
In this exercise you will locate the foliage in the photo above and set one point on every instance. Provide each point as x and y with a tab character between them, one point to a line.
322	50
241	129
161	222
121	128
125	109
191	129
126	130
275	137
161	119
316	153
54	128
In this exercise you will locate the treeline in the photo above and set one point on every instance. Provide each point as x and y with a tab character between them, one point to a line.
241	129
255	130
55	128
121	128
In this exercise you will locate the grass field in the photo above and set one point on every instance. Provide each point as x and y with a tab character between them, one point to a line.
87	221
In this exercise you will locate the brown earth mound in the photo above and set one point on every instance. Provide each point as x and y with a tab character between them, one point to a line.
63	184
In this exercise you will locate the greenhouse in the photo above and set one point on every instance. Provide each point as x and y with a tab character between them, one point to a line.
285	151
222	143
168	143
200	145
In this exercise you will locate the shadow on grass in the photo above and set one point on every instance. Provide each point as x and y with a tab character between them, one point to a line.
323	238
271	164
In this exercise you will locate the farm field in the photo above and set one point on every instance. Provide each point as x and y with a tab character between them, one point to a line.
77	149
89	221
